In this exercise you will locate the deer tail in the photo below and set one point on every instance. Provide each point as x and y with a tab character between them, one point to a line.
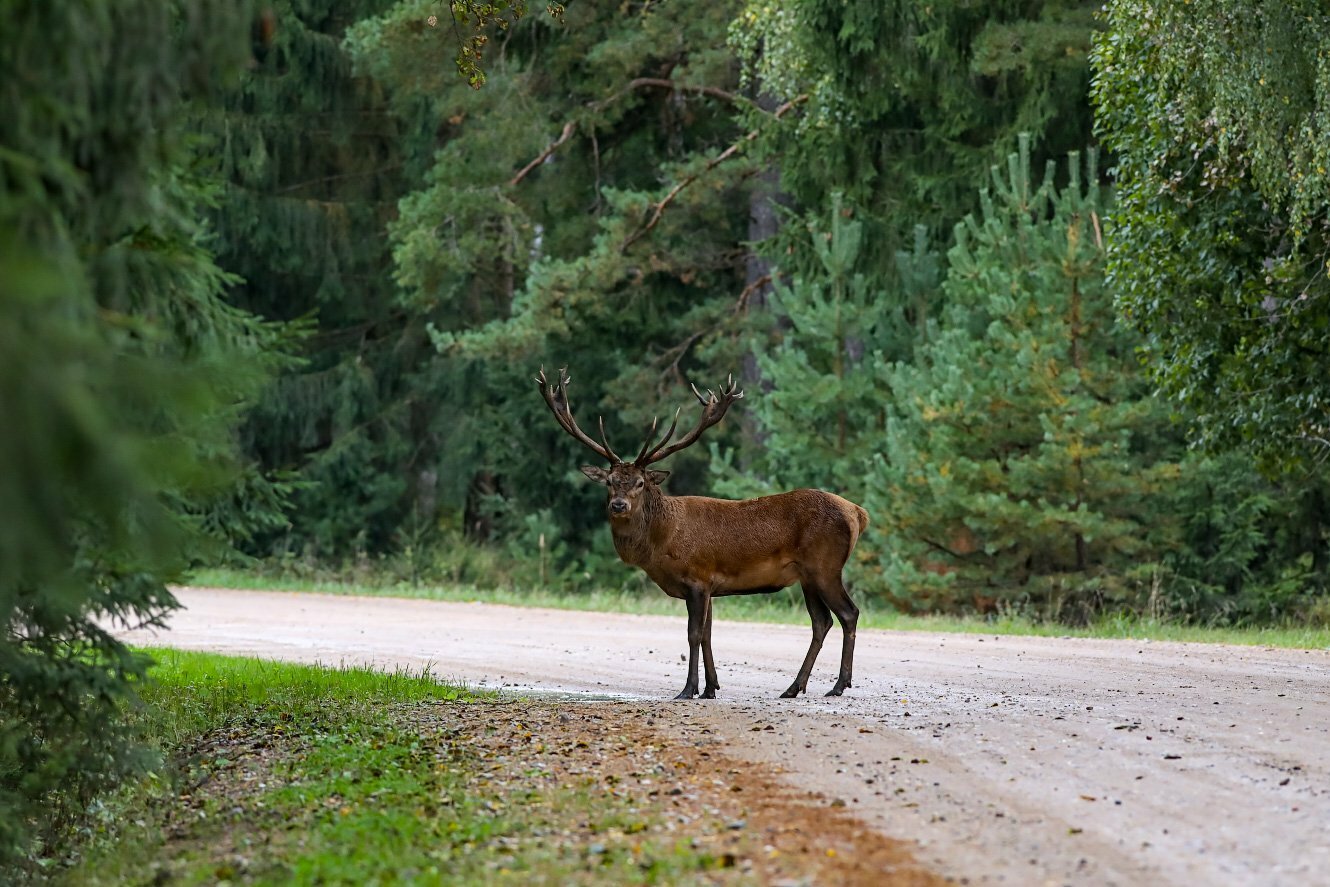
856	522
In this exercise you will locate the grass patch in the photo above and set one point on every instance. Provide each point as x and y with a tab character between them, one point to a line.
784	607
287	774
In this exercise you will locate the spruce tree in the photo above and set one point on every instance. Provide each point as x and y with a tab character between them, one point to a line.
313	159
121	375
908	104
587	208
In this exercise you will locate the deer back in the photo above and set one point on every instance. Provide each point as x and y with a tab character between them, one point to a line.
752	544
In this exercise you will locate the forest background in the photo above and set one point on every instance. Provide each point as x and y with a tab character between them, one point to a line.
1042	286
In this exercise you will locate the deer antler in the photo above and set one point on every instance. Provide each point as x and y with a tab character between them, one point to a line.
713	410
556	396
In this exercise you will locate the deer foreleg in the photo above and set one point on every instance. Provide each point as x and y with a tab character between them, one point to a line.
697	602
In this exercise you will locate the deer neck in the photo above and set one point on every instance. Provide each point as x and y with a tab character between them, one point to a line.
636	538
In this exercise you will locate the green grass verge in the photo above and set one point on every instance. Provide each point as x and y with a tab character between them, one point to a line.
288	774
784	607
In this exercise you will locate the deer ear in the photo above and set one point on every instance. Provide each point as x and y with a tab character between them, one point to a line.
599	475
657	477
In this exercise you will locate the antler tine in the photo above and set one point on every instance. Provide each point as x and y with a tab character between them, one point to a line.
713	410
644	458
556	398
651	435
606	441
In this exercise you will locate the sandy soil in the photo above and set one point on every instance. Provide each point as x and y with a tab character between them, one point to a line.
1000	759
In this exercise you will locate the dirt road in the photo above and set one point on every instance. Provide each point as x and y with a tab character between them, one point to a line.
1004	759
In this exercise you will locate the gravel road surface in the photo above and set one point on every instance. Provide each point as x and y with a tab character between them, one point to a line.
1005	760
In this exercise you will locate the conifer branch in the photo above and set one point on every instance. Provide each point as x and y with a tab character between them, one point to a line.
568	129
674	86
638	83
942	548
716	161
338	177
676	354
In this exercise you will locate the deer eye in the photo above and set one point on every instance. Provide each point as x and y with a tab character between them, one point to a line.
638	485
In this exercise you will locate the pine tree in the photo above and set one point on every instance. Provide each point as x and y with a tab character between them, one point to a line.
908	104
586	208
821	418
1011	474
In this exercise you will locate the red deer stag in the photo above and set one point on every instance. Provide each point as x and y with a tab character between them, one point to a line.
696	548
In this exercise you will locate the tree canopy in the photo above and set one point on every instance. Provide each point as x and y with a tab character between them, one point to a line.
1216	111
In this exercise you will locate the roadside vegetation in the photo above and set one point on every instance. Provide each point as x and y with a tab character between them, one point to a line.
783	607
271	773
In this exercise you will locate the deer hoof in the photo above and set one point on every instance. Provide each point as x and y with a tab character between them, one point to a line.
791	693
709	693
686	694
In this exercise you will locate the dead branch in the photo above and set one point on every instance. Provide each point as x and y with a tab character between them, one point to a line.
663	83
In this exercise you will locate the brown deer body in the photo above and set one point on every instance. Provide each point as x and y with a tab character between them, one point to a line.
696	548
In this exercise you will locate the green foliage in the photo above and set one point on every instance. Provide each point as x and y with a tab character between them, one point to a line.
1025	467
823	418
478	19
1012	473
531	241
1244	549
313	160
910	103
1216	111
121	375
201	712
372	778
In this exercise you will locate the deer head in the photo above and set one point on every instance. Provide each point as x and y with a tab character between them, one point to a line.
628	482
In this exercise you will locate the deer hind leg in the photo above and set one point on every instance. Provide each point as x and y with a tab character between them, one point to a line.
698	601
821	617
838	600
712	685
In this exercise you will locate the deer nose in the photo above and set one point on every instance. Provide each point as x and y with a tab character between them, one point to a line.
618	506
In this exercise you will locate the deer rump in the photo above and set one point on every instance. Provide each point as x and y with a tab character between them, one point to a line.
696	548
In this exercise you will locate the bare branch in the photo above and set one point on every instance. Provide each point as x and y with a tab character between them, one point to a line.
677	353
662	83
